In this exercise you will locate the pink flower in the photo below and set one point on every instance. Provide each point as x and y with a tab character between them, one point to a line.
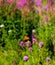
48	59
21	43
9	1
41	44
30	49
20	4
34	40
38	2
25	58
46	7
37	12
0	2
50	1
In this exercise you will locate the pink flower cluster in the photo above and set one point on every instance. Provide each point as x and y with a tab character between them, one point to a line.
9	1
21	3
0	2
50	1
38	2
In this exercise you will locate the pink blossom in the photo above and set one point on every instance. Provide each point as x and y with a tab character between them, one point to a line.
37	12
9	1
48	59
50	1
30	49
20	4
21	43
25	58
38	2
41	44
34	40
46	7
0	2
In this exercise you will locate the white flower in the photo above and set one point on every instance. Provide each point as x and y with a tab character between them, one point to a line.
10	31
33	30
1	25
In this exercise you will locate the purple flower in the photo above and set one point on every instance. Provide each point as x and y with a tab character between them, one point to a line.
25	58
34	40
48	59
1	2
9	1
37	12
41	44
20	4
21	43
46	7
50	1
30	49
38	2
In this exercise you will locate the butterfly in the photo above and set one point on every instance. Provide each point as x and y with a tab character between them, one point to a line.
26	38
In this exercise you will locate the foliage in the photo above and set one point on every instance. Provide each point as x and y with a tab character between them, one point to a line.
19	20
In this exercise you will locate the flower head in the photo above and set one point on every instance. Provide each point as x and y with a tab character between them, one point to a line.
46	7
33	30
20	3
37	12
48	59
41	44
2	25
0	2
38	2
34	40
9	1
50	1
30	49
21	43
25	58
